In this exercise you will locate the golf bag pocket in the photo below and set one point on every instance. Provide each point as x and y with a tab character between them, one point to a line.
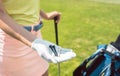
88	66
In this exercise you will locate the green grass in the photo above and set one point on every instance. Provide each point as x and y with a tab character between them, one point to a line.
84	24
109	1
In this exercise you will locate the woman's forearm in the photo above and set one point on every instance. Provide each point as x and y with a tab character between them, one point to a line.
13	33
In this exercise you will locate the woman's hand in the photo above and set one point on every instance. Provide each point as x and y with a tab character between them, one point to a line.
51	15
54	14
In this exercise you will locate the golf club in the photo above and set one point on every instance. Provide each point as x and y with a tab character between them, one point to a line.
56	37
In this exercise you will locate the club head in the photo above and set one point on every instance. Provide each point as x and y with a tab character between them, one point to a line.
118	40
116	44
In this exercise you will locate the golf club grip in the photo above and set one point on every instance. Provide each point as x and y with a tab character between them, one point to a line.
56	30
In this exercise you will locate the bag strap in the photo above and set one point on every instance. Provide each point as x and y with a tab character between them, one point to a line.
113	65
82	69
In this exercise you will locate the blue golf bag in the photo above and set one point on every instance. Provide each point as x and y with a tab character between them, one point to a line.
104	62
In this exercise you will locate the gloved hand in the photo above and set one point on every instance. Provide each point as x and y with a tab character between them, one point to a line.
52	52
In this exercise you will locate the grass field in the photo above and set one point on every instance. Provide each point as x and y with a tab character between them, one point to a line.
108	1
84	25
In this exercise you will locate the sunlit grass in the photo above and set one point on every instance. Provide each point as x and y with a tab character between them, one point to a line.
84	25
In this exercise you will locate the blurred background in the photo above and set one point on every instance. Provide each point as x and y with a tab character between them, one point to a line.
84	25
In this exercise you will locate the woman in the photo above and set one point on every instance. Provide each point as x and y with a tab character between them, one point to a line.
19	58
22	53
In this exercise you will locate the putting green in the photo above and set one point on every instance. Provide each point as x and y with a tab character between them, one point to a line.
108	1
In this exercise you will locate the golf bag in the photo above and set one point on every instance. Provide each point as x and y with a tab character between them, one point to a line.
104	62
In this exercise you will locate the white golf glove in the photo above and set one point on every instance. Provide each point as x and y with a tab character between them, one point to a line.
52	52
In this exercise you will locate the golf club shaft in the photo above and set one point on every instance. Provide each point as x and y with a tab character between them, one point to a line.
56	36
